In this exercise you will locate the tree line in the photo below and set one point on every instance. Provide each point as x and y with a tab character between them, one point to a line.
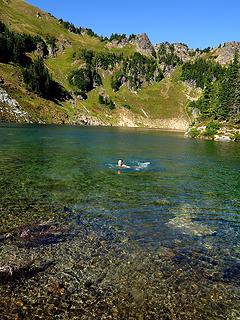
221	88
78	30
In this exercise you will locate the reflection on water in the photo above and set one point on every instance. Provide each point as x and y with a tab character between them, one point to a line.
80	241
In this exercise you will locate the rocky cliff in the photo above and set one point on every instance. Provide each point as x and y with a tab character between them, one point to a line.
225	52
140	42
143	44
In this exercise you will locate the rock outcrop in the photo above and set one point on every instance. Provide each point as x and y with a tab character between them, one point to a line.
52	49
88	120
181	50
63	44
125	118
143	44
41	50
11	110
119	44
225	52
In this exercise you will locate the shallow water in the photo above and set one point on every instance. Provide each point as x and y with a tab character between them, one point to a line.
177	217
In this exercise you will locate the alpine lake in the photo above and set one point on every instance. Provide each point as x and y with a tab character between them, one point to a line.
82	239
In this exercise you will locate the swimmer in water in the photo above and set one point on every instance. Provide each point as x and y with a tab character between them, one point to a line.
121	164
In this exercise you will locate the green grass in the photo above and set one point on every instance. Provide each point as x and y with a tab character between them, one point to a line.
38	108
61	66
166	99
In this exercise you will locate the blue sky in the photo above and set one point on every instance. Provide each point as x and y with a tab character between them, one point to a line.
196	23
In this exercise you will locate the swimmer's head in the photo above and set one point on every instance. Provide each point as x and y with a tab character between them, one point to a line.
120	162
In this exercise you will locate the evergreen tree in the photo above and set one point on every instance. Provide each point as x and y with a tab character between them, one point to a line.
228	89
234	83
221	93
38	79
85	79
14	46
235	107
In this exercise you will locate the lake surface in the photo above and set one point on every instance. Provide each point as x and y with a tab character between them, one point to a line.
167	228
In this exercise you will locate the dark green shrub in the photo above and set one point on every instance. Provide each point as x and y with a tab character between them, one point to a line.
214	125
194	133
39	81
117	80
127	106
211	128
111	105
14	46
101	99
106	101
201	71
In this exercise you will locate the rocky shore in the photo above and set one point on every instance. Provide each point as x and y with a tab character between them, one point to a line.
224	133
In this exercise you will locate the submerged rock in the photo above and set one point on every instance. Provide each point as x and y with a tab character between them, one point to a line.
9	273
232	273
185	224
40	235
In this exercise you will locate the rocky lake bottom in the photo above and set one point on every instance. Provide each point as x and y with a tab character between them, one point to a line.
81	240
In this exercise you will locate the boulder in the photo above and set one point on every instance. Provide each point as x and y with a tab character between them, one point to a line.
222	138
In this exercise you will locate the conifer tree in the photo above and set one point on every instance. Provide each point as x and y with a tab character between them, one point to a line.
38	79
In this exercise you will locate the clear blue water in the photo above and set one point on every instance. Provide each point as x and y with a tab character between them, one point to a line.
187	199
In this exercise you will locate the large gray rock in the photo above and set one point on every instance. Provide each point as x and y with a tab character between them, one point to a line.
52	49
222	138
63	44
40	50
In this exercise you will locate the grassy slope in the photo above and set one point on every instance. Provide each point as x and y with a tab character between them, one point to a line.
166	99
38	108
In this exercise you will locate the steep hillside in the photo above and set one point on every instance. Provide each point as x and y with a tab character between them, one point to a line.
121	81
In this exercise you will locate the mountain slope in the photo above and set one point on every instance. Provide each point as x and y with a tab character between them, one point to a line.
155	104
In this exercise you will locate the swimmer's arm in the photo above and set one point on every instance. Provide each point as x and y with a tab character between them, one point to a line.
124	166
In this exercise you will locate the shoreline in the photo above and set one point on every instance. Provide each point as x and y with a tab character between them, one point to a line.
24	124
221	133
